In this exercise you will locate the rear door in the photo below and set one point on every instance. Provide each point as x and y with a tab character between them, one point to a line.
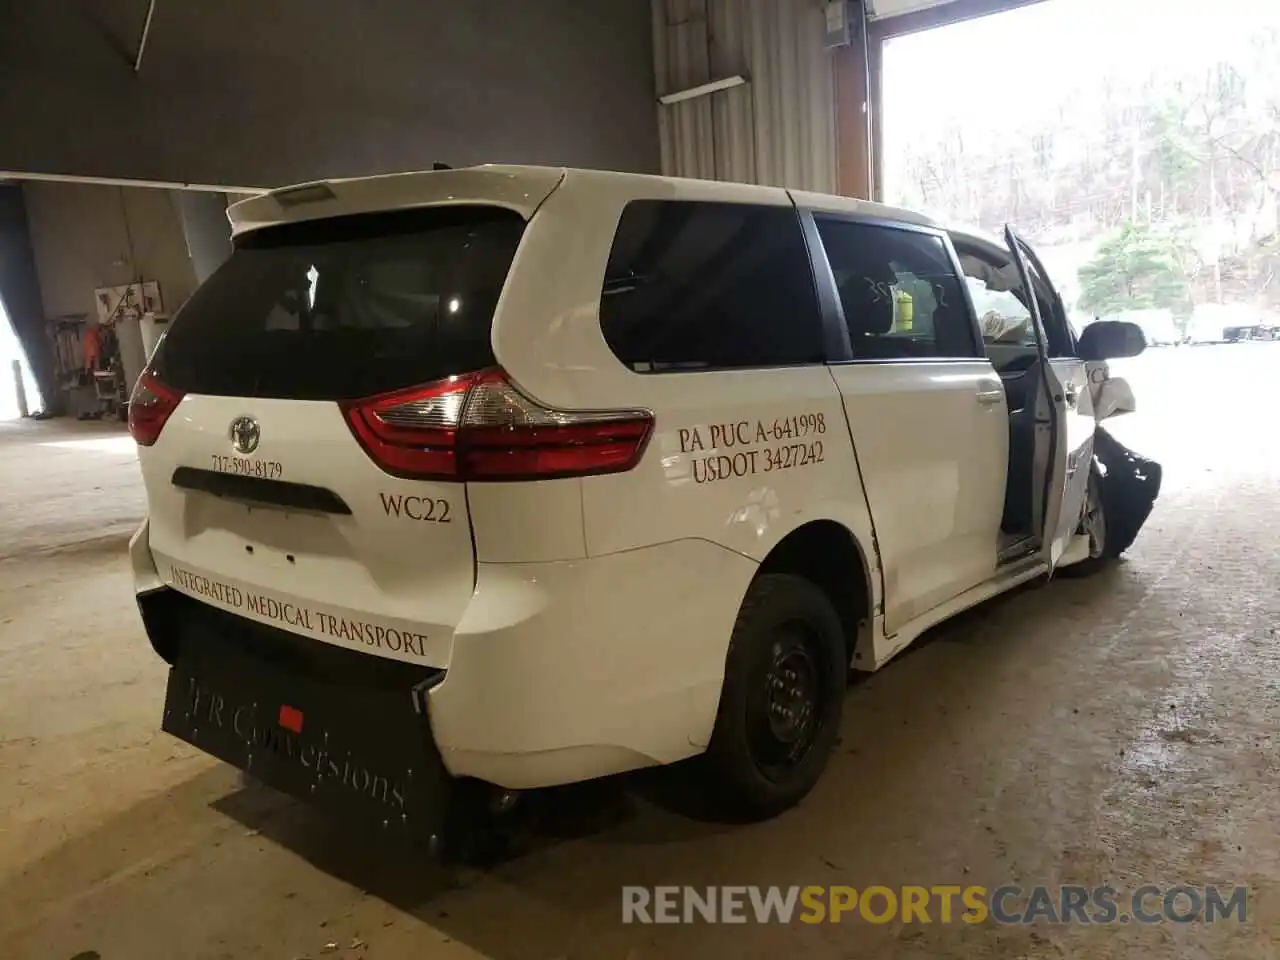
263	501
1071	405
925	408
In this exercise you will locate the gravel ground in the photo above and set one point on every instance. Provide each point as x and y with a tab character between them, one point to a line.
1114	730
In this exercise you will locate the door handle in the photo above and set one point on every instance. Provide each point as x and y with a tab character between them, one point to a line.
990	396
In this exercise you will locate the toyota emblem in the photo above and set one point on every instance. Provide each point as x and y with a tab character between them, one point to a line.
245	434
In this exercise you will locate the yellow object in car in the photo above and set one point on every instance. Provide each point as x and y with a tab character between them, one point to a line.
906	312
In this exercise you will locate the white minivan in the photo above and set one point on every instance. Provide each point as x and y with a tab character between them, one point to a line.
520	476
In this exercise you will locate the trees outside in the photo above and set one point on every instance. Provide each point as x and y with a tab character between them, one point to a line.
1136	268
1170	171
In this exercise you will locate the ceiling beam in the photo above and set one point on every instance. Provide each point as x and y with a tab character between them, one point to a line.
955	11
142	42
19	175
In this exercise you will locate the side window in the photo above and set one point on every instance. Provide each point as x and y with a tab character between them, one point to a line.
899	290
1056	329
1000	300
998	296
704	286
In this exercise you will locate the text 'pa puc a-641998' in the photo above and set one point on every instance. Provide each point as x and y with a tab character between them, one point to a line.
744	448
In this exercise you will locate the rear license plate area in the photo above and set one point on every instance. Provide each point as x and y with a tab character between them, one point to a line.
362	754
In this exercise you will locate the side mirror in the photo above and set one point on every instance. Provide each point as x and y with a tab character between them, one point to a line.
1111	340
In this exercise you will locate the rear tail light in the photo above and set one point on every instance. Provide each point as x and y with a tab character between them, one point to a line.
481	426
149	407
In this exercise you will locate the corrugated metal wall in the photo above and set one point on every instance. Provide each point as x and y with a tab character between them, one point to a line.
779	128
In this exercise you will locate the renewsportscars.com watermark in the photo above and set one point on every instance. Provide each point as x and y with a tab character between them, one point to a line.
937	904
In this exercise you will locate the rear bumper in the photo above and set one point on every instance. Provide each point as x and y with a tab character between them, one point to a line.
558	672
570	670
342	730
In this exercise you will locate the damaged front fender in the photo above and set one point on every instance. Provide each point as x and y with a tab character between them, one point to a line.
1130	484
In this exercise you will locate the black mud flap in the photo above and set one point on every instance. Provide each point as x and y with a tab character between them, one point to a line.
1130	485
337	729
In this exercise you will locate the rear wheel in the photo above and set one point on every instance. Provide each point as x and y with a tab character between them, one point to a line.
780	705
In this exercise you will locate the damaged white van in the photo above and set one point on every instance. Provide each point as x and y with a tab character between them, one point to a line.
522	476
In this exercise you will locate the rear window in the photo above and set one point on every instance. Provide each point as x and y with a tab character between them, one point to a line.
346	307
697	286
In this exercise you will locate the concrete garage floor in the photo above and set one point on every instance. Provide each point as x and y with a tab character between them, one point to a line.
1120	730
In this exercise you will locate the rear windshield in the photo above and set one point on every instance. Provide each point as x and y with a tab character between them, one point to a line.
346	307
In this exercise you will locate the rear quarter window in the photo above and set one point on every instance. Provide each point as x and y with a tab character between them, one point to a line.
705	286
346	307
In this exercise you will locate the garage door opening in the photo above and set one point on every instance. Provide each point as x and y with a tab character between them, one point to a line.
19	394
1135	143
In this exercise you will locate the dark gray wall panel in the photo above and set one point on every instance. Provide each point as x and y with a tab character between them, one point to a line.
206	228
264	92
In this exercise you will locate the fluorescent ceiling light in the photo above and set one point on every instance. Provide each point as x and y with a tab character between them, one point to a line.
727	83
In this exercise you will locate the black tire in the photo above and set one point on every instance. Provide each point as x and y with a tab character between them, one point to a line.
779	717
